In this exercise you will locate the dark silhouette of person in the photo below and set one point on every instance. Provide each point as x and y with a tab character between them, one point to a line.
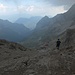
58	43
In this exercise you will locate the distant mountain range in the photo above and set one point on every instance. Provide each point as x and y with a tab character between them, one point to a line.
50	29
29	22
12	31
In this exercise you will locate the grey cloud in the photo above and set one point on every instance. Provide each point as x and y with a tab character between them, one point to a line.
53	2
67	3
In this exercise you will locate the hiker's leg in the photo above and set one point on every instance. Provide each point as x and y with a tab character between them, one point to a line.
58	47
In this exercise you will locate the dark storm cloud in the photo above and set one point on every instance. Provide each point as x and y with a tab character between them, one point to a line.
65	3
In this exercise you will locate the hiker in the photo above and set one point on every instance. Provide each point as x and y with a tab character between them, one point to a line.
58	43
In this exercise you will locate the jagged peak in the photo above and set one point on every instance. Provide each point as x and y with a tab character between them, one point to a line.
45	17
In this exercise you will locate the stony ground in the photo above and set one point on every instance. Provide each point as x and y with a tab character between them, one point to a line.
17	60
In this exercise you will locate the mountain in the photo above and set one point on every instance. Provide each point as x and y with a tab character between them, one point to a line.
50	29
70	14
12	31
18	60
29	22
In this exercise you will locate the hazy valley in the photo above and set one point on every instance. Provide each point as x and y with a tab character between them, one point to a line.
29	22
50	29
30	57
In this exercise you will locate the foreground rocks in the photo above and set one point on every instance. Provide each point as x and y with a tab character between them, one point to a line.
17	60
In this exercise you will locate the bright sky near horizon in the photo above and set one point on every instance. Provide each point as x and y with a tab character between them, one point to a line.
14	9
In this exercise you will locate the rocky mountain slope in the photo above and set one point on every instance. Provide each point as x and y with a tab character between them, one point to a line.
12	31
13	58
18	60
50	29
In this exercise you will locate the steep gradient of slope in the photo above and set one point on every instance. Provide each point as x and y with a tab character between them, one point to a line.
48	29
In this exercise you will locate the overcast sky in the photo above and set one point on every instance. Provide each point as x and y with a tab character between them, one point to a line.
13	9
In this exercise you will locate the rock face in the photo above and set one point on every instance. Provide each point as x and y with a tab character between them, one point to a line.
50	29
